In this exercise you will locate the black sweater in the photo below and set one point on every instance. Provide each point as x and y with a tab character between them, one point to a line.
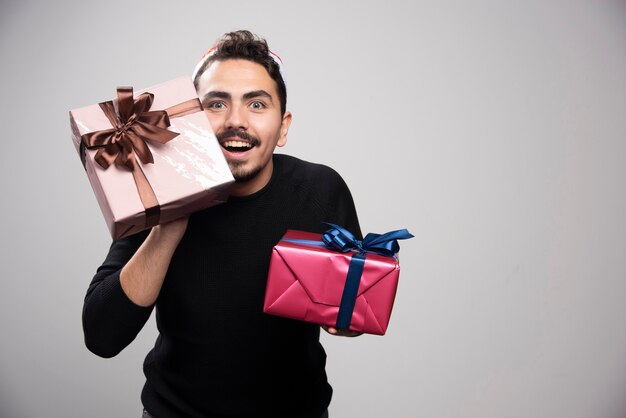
218	354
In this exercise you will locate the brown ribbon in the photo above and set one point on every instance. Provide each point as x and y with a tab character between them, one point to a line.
133	125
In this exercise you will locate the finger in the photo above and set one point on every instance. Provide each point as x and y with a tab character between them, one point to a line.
331	330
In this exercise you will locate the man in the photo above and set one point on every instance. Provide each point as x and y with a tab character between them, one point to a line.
218	354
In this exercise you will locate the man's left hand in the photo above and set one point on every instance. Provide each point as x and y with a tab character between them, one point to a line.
341	332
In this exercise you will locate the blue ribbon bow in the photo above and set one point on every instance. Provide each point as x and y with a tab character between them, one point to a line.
340	239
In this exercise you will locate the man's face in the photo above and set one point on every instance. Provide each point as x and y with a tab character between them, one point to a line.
242	104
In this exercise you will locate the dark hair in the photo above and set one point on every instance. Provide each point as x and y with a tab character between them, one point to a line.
243	44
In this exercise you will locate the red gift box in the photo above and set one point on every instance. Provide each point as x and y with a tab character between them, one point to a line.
307	281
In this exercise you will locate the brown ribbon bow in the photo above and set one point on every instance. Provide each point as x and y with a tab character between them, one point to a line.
133	125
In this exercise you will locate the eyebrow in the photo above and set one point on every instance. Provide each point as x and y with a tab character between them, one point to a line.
257	93
216	94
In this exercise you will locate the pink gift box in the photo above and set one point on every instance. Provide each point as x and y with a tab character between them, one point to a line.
306	282
188	173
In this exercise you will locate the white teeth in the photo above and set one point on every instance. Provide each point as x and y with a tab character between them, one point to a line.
237	144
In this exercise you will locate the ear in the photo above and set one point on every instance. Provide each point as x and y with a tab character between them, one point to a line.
284	128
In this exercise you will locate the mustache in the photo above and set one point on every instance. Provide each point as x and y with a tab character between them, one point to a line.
230	133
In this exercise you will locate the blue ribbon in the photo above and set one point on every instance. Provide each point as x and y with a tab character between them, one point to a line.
350	290
340	239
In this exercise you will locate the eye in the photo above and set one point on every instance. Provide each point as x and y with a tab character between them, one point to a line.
257	105
215	105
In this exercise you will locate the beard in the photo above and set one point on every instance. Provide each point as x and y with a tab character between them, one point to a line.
240	173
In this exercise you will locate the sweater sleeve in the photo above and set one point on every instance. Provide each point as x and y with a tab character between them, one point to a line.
111	320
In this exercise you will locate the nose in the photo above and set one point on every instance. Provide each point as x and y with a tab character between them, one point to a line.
236	118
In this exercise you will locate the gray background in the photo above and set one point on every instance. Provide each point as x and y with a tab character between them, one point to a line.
494	131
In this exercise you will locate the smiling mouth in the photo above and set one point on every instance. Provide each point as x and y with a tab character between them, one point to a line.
237	146
237	141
